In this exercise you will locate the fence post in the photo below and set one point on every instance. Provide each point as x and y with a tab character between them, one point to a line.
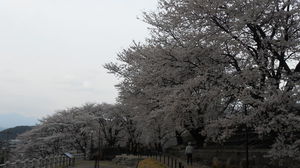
59	160
168	160
48	162
54	161
70	162
164	159
66	161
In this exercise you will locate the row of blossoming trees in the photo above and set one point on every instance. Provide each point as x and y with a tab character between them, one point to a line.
212	67
79	129
209	68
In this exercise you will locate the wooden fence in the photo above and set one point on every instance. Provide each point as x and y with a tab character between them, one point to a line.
169	161
60	161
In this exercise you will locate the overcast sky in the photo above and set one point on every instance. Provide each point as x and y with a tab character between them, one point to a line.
52	51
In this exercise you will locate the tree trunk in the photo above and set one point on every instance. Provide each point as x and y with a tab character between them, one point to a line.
179	138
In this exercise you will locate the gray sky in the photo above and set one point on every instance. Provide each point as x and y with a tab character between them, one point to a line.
52	51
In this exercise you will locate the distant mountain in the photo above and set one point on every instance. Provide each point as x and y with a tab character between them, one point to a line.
9	120
2	128
12	133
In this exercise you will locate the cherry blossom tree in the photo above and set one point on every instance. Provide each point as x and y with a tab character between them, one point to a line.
218	66
73	129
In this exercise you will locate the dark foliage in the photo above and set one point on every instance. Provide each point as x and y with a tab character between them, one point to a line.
12	133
